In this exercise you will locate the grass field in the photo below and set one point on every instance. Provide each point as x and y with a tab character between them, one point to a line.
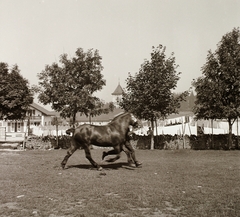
170	183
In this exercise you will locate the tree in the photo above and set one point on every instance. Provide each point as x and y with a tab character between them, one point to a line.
188	103
15	93
100	108
56	121
149	93
218	89
69	87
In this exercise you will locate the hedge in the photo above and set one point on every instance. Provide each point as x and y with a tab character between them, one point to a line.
213	142
163	142
201	142
167	142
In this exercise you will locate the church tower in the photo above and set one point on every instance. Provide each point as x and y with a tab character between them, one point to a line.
117	95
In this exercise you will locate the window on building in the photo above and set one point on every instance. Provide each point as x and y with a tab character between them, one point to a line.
15	127
12	127
18	127
31	112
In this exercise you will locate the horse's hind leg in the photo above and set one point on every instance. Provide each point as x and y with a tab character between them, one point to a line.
89	157
111	152
71	150
116	151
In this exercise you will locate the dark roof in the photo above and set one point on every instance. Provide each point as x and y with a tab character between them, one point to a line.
180	114
81	118
100	118
118	90
108	117
43	110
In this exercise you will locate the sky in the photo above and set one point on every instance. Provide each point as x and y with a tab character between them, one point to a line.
34	33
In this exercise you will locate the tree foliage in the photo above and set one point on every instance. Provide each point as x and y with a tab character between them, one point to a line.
149	93
15	93
188	103
69	86
218	89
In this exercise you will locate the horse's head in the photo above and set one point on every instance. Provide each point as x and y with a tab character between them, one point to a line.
134	121
126	119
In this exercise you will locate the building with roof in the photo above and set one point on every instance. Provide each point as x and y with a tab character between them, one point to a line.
38	115
14	130
117	95
99	119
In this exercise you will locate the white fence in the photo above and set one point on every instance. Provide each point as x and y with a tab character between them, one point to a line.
49	131
219	127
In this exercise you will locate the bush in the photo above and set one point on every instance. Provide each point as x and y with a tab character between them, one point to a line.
214	142
48	142
144	142
36	142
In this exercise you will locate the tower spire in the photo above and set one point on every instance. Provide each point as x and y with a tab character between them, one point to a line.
117	94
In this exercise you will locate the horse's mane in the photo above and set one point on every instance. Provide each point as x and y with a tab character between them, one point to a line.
119	115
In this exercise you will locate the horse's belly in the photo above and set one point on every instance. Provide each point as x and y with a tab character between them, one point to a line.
105	142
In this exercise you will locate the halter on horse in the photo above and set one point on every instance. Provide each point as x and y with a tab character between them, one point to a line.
114	134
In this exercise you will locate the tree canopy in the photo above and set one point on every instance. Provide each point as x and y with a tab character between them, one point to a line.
218	89
149	93
69	86
15	93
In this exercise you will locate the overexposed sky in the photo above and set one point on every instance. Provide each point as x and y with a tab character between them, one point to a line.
34	33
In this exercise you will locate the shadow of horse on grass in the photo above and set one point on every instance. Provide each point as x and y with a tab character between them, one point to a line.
113	166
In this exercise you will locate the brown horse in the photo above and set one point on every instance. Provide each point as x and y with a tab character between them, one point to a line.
114	134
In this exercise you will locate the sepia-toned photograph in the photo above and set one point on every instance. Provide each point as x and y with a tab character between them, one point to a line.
119	108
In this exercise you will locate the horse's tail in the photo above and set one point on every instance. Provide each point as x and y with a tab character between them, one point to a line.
69	131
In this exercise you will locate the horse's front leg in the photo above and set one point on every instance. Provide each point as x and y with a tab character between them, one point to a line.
89	157
131	154
130	160
71	150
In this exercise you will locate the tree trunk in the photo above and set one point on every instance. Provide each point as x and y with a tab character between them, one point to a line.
237	146
56	131
156	132
230	134
74	120
212	133
156	127
90	120
28	125
152	137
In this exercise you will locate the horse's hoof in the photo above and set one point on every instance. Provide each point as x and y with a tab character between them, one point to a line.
131	165
104	154
63	166
138	164
99	168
